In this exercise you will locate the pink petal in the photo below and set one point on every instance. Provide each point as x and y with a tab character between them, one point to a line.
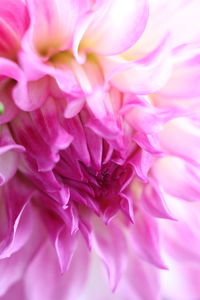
145	117
13	23
60	231
127	205
43	273
10	109
9	156
115	26
109	243
141	280
146	239
65	246
153	202
8	166
185	20
15	292
32	130
137	275
33	86
14	267
184	139
174	17
46	181
52	24
10	69
75	128
184	80
97	281
27	135
104	121
30	95
19	215
20	231
182	282
182	258
95	145
48	124
148	142
177	178
73	108
142	162
150	73
174	234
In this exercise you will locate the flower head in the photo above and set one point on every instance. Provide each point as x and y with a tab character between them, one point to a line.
99	149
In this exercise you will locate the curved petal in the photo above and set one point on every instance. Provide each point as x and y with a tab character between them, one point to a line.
8	166
52	24
13	23
14	267
10	110
184	81
19	215
74	107
152	200
140	274
60	227
146	241
181	137
142	162
142	76
178	18
42	135
148	142
10	69
30	95
46	120
177	177
174	234
43	272
116	25
27	134
8	155
35	85
110	245
45	181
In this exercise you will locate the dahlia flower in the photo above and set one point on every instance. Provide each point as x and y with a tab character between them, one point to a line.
99	150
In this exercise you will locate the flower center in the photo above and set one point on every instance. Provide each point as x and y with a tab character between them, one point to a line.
108	182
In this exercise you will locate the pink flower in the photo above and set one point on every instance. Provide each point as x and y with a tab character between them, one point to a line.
99	150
